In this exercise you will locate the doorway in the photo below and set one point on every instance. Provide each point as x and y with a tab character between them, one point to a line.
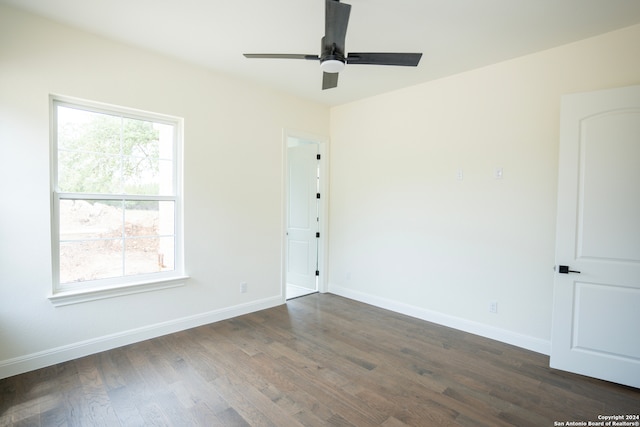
304	215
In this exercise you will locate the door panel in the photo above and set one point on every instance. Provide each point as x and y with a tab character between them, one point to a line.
299	254
609	223
596	313
300	189
600	311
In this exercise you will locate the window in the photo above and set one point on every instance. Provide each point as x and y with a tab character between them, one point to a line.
116	178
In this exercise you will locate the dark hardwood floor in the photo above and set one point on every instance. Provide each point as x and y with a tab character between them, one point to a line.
319	360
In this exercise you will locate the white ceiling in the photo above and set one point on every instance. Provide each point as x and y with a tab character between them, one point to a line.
454	35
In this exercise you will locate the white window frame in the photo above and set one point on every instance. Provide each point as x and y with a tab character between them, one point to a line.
71	293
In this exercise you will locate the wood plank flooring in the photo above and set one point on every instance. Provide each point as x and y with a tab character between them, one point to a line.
318	360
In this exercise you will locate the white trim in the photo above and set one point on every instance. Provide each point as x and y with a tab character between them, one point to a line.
75	350
519	340
84	295
103	107
110	196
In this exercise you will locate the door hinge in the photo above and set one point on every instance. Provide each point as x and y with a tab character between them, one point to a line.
317	195
318	234
317	272
318	156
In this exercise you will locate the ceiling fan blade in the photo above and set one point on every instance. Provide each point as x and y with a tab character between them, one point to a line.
329	80
335	25
402	59
281	56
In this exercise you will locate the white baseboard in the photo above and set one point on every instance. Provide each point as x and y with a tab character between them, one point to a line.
519	340
68	352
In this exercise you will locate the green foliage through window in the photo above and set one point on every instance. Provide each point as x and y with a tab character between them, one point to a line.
101	153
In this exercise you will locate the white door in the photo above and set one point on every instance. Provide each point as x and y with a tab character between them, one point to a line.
302	219
596	309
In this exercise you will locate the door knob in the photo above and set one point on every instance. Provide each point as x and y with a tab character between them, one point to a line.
564	269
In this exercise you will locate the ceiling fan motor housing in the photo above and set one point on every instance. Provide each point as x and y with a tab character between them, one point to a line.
332	60
332	63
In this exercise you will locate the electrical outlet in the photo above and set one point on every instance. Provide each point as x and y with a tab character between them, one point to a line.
493	307
243	287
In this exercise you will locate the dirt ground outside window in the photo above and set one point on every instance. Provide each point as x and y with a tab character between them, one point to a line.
100	241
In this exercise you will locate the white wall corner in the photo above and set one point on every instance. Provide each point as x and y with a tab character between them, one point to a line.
519	340
41	359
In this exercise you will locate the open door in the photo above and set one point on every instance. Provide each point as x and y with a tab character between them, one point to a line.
596	309
303	218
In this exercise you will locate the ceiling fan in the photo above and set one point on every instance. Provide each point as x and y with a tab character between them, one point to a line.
332	55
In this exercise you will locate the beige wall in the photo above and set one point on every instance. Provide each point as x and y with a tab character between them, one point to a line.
408	235
233	188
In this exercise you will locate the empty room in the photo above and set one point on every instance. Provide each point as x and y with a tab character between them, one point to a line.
320	212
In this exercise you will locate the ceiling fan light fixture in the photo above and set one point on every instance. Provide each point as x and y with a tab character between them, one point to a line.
332	66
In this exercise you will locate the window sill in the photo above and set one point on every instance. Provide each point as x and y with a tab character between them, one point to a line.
77	296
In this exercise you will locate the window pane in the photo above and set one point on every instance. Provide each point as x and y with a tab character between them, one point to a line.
147	176
88	172
148	161
148	255
102	153
149	218
140	138
166	142
165	182
88	131
90	219
90	260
